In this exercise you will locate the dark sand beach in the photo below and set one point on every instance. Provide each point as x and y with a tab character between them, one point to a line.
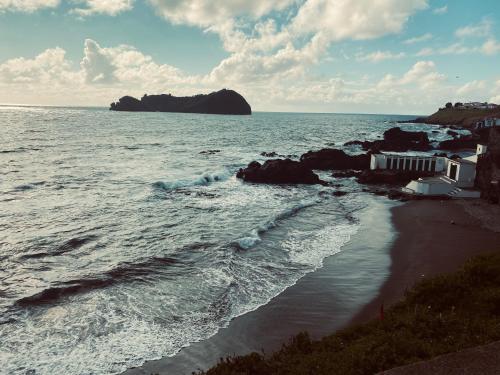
396	245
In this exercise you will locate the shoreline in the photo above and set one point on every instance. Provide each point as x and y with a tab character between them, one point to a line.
320	302
429	244
396	245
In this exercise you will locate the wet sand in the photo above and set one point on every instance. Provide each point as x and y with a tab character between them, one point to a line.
433	237
382	260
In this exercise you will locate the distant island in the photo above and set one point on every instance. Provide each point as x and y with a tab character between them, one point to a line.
467	115
223	102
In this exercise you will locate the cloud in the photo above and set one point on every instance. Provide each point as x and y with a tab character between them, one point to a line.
425	52
472	89
97	65
380	56
27	5
207	13
490	47
358	20
482	29
109	7
49	66
441	10
418	39
422	74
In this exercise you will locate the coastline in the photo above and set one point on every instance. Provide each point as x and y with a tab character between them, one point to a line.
396	245
428	244
320	302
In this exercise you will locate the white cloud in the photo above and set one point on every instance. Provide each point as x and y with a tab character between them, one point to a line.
359	20
50	66
490	47
109	7
455	49
472	89
27	5
418	39
207	13
482	29
441	10
96	64
380	56
425	52
423	74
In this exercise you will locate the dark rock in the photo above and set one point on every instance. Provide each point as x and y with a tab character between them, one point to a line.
390	177
346	174
279	171
339	193
354	143
209	152
452	133
463	142
331	158
398	140
269	154
223	102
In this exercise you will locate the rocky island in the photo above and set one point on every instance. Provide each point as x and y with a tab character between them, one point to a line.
223	102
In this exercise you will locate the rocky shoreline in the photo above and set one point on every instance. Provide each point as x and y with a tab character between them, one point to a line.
343	165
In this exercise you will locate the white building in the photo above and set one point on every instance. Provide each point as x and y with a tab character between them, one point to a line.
454	178
488	123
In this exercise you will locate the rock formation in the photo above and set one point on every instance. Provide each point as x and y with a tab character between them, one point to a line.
331	158
279	171
397	140
223	102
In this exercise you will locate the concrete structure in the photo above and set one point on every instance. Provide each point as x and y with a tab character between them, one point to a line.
453	177
408	163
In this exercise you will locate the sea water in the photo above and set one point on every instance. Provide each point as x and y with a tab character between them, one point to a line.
126	236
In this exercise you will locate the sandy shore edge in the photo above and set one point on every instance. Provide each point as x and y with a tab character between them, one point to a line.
397	245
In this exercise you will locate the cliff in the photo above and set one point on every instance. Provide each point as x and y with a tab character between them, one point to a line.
466	118
488	169
223	102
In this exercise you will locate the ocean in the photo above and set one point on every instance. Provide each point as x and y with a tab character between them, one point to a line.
125	237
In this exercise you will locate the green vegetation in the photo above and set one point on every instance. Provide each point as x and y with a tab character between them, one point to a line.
439	315
460	116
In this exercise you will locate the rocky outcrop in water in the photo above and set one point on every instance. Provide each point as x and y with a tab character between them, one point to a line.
279	171
223	102
397	140
331	158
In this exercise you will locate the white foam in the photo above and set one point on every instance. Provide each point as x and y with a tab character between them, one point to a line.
253	238
206	178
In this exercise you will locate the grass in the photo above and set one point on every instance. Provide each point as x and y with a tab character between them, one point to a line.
439	315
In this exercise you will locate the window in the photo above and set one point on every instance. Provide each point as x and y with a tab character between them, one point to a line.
433	165
389	163
420	165
407	164
414	165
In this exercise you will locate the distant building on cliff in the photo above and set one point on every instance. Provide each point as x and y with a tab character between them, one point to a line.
487	122
476	105
452	177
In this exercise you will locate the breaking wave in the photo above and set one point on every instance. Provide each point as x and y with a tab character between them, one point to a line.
202	180
254	236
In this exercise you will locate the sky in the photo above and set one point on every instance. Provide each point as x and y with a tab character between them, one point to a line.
348	56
